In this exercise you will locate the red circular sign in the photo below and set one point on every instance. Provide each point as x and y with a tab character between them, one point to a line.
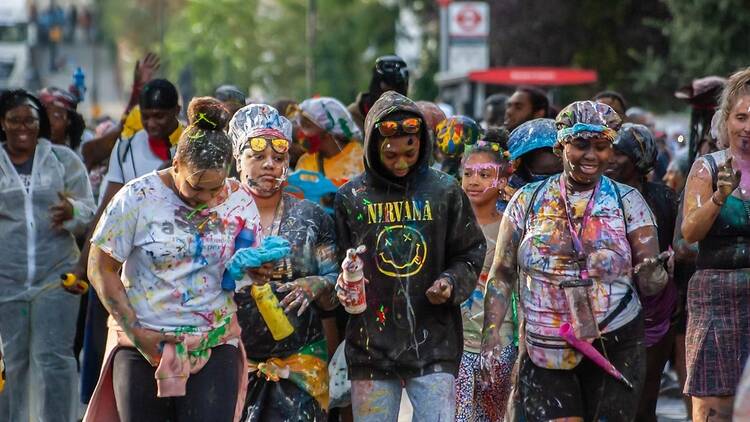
468	18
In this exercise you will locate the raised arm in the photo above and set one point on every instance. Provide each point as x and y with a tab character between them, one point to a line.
702	204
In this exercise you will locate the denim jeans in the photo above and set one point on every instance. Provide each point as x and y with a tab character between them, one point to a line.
433	398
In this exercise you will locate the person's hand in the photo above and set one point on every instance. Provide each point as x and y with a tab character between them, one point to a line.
151	343
648	265
303	291
261	275
342	292
146	69
728	180
440	291
489	358
61	211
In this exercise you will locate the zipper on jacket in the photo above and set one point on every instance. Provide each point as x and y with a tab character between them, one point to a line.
30	222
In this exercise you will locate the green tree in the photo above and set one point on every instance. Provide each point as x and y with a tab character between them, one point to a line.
217	41
259	45
707	37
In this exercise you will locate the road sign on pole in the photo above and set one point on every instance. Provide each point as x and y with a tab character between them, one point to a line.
468	30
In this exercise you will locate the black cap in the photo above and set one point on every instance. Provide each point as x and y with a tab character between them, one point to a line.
158	94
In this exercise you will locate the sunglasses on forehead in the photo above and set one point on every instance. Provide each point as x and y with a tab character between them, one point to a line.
392	127
279	145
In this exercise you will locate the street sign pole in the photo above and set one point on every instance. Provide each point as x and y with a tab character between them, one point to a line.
444	22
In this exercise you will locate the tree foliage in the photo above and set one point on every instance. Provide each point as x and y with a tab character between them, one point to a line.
261	45
708	37
645	49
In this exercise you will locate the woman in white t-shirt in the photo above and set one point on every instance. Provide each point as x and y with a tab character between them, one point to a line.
571	242
172	232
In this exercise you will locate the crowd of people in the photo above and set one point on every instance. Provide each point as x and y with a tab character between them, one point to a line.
313	261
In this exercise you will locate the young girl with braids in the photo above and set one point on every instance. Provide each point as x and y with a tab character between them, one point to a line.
172	232
485	169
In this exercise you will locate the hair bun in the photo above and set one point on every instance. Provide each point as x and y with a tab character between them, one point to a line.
207	113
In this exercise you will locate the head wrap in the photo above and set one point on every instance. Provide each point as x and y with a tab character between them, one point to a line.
158	94
456	132
587	119
637	142
530	136
229	94
332	116
256	120
58	97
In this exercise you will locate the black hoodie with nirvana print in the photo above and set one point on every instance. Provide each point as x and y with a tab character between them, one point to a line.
417	229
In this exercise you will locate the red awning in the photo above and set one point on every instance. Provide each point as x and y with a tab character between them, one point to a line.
546	76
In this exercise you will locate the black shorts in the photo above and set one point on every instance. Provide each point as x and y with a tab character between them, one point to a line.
586	391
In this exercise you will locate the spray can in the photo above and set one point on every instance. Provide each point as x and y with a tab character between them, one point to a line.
270	310
355	280
244	239
69	280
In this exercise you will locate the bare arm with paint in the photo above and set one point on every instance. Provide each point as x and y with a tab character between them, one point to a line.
651	275
317	288
498	292
702	203
104	275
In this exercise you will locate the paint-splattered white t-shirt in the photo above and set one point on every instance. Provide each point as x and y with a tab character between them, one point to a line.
546	259
174	256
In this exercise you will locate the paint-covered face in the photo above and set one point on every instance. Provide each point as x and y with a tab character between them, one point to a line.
518	109
481	179
21	127
738	125
159	123
263	171
399	153
584	160
621	167
198	187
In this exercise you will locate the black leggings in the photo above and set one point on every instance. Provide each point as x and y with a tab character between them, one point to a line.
587	391
211	393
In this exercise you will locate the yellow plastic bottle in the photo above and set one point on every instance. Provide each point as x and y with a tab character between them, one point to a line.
271	311
69	279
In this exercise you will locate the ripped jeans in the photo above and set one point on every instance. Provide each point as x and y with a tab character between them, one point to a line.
433	398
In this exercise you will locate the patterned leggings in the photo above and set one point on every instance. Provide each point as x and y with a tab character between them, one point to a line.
477	404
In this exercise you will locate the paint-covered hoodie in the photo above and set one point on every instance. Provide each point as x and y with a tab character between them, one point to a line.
417	229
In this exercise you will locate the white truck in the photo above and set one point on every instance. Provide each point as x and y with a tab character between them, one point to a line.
15	44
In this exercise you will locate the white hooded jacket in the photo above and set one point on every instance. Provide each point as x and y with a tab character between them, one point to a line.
33	254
